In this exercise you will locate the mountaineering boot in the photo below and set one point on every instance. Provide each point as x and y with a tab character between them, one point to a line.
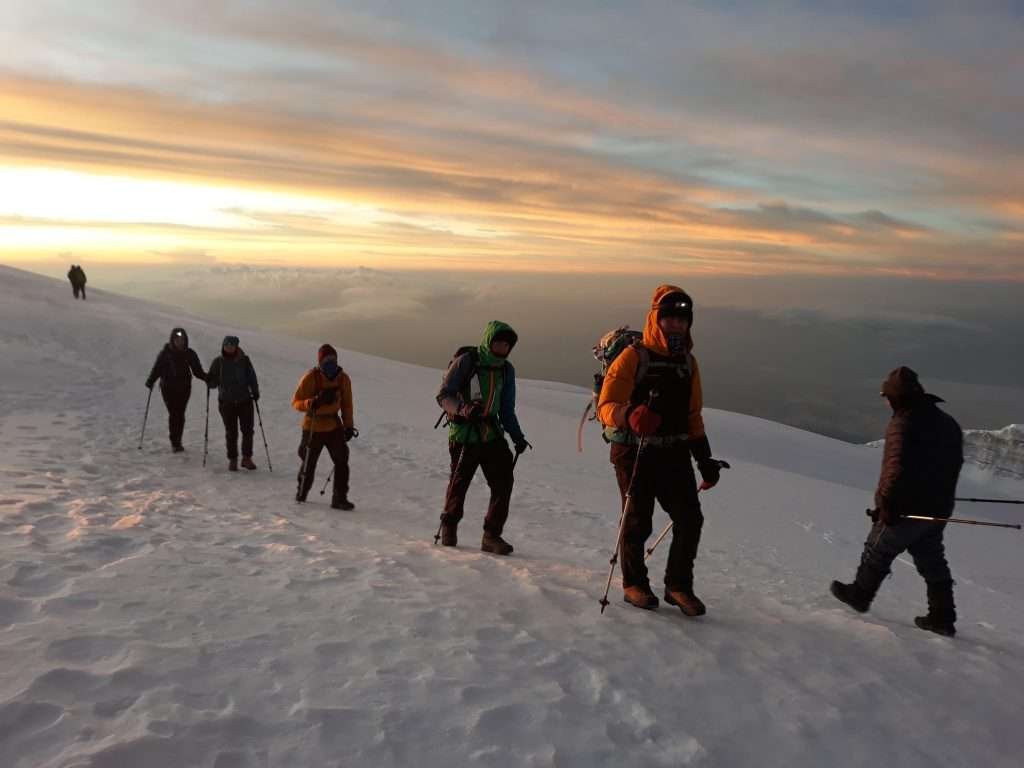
641	597
685	601
232	465
449	535
941	617
179	448
851	595
924	622
495	545
343	504
247	462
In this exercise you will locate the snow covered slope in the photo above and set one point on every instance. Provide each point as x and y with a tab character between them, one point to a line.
155	613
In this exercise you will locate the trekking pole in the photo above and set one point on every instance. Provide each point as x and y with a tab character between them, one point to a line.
327	482
667	528
145	417
265	446
873	514
455	474
622	522
963	520
990	501
627	502
299	496
206	430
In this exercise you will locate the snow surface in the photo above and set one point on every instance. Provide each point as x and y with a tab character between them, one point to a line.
154	613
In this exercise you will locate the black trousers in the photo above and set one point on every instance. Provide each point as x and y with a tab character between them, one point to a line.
75	287
235	416
665	475
176	401
924	542
495	459
334	442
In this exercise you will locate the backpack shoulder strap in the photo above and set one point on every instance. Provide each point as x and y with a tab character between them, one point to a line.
643	357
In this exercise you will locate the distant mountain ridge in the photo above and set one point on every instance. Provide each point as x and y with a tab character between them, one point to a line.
999	451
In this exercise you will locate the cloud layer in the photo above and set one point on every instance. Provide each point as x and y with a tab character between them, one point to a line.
520	136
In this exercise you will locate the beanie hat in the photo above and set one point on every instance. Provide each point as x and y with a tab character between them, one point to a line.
232	340
901	382
675	304
325	351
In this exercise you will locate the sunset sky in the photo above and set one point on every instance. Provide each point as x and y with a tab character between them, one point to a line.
716	138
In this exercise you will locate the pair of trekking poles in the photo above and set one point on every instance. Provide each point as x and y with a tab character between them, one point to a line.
626	507
206	428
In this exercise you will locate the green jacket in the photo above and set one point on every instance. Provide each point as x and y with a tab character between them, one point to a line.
481	376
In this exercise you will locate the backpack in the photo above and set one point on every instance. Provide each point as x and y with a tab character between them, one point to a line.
467	393
609	347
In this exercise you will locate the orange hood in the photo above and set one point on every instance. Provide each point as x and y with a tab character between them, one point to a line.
654	337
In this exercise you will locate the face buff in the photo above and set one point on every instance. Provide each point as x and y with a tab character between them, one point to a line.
330	368
676	343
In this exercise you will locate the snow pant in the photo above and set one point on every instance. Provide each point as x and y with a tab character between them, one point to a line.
495	459
665	475
887	542
176	401
76	288
334	442
235	415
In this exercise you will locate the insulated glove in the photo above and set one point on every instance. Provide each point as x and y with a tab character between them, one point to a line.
350	433
149	384
644	421
521	445
255	397
887	515
473	411
710	472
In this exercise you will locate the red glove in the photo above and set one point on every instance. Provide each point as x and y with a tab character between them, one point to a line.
643	421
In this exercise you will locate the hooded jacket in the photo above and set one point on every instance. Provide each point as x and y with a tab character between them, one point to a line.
176	367
325	418
481	375
923	452
675	378
234	377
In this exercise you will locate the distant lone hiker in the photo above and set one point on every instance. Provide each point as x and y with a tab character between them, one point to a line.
478	393
323	391
920	468
652	393
175	366
231	372
77	277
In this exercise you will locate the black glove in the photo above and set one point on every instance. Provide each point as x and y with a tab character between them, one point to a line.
473	412
521	445
326	397
149	384
255	397
888	516
350	433
710	472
